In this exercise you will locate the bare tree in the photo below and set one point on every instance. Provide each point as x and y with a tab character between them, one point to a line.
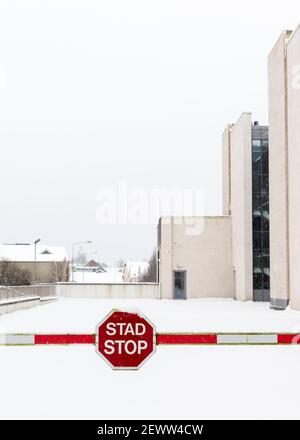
61	271
151	275
12	275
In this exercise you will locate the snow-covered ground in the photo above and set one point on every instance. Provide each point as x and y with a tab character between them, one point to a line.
177	382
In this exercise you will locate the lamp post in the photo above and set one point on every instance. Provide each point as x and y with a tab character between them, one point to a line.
34	267
73	246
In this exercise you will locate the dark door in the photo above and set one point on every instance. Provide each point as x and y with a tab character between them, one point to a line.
179	284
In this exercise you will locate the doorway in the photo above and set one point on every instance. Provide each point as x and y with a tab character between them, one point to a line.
179	284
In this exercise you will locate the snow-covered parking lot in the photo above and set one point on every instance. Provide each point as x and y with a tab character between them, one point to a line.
200	382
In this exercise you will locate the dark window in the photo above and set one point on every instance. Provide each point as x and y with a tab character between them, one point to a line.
265	163
257	243
260	209
257	219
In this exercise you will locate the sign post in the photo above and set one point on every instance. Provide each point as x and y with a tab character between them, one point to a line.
125	340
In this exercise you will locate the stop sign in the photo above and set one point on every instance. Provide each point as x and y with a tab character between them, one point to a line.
125	340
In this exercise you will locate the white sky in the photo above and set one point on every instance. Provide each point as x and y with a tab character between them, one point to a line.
97	92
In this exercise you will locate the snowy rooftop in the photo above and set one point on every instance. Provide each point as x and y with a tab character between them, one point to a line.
25	252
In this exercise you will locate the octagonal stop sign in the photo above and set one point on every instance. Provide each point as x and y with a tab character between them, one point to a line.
125	340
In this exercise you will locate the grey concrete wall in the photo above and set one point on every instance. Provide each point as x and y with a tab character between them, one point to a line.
206	257
46	290
278	173
24	297
293	87
226	176
241	206
131	290
13	305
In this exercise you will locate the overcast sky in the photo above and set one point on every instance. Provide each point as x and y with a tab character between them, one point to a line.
93	93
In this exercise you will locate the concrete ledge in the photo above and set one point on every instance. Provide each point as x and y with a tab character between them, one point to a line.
47	299
15	304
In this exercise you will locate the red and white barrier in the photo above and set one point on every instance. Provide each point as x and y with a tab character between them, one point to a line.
10	339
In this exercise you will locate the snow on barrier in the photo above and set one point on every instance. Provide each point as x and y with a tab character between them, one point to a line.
161	339
126	340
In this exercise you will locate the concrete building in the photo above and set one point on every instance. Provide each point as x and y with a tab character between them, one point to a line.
246	145
46	268
293	122
284	121
278	159
261	195
195	265
229	257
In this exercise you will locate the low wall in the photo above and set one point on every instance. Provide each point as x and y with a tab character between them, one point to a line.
41	290
14	304
130	290
24	297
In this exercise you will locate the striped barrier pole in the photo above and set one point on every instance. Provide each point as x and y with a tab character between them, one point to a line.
11	339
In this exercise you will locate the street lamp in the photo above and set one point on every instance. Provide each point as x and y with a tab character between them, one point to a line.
34	267
73	246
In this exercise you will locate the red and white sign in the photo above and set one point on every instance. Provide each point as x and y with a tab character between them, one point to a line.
125	340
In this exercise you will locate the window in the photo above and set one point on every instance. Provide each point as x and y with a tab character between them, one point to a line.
260	210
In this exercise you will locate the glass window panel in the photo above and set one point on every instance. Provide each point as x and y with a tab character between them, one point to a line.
257	242
257	223
266	261
265	224
265	183
266	242
256	201
256	183
265	163
265	202
256	146
266	281
257	281
257	262
257	163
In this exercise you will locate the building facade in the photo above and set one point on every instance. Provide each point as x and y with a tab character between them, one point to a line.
246	146
258	238
229	256
197	264
278	164
284	122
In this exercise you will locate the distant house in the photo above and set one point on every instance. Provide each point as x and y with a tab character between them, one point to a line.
50	265
133	271
93	266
